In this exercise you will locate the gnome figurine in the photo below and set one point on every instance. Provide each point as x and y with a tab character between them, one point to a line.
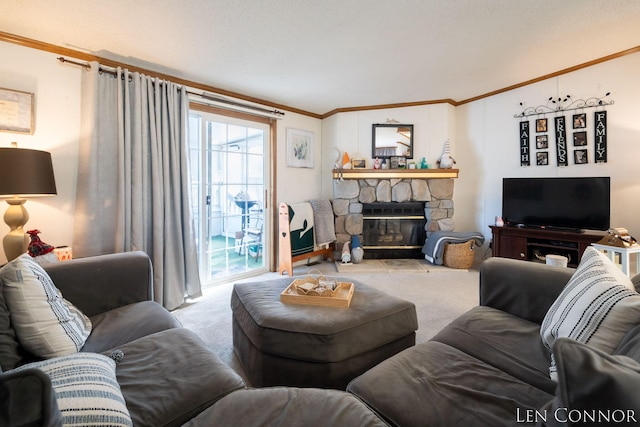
446	161
346	254
40	251
357	253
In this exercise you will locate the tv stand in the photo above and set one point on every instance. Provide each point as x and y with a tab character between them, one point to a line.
534	244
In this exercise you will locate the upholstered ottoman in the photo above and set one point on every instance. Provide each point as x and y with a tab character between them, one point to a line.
310	346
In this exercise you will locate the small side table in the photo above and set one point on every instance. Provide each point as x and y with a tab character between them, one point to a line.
624	254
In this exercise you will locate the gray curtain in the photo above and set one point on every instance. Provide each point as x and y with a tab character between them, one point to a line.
133	178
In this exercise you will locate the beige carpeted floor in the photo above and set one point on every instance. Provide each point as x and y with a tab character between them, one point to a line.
440	294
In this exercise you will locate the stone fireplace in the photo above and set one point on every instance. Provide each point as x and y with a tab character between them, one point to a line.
380	191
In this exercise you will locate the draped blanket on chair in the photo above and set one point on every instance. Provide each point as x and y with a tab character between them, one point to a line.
301	228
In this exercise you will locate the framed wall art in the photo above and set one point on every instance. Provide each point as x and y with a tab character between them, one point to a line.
541	125
579	139
542	141
299	148
580	157
16	111
579	121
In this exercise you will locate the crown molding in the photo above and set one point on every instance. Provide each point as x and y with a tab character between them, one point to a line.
35	44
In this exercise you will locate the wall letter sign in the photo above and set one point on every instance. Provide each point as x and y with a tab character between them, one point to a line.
561	140
525	159
600	136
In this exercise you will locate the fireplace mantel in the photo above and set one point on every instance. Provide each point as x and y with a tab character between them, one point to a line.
395	173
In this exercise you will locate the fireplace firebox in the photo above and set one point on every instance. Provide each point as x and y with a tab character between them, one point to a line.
393	230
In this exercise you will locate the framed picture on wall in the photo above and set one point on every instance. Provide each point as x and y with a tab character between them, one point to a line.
299	148
16	111
580	121
579	139
542	158
541	125
580	157
542	141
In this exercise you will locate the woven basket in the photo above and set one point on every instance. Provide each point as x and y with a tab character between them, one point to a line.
459	255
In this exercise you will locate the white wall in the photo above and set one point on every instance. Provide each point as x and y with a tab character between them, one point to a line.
351	132
57	124
485	143
296	185
483	136
57	116
488	143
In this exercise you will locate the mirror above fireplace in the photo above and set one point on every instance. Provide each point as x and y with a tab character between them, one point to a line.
392	140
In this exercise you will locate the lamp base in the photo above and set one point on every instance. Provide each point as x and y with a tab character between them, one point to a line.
16	242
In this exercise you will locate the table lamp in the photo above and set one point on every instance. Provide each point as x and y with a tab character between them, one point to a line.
23	173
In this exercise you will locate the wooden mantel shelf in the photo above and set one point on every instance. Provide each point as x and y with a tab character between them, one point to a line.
395	173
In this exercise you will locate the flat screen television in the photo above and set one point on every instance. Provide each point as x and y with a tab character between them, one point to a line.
573	204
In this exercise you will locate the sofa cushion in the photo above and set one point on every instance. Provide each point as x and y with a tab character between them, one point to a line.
128	323
598	306
9	347
86	389
46	324
505	341
438	385
592	383
171	376
288	406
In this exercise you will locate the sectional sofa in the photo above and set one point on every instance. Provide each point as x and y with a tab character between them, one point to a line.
490	367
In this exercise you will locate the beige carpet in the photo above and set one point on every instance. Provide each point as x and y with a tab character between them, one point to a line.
392	265
440	296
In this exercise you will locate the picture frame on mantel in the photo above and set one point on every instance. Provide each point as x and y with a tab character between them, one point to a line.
299	148
16	111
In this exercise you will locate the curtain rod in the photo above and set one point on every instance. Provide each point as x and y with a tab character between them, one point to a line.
203	94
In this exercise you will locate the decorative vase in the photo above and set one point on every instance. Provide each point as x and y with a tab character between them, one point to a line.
499	221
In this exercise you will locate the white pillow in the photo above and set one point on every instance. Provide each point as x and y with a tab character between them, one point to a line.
46	324
597	307
86	388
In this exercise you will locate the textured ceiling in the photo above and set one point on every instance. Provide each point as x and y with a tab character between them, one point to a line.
320	55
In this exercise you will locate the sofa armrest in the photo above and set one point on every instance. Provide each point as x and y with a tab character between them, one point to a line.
28	399
522	288
104	282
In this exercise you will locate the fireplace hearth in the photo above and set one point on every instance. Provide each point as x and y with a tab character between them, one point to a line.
424	203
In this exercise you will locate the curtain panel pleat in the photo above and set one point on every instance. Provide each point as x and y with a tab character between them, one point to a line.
133	188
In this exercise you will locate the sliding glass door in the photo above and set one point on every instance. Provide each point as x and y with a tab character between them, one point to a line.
229	172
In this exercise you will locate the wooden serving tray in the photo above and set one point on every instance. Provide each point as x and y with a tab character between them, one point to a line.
341	298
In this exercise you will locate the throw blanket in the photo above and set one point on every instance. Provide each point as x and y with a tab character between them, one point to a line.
433	248
323	221
301	228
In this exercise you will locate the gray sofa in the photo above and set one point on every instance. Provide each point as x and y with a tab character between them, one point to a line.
167	376
487	368
490	368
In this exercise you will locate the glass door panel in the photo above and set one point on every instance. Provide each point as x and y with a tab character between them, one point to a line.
230	183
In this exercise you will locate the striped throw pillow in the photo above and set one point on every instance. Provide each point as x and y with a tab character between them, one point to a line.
86	389
597	307
46	324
